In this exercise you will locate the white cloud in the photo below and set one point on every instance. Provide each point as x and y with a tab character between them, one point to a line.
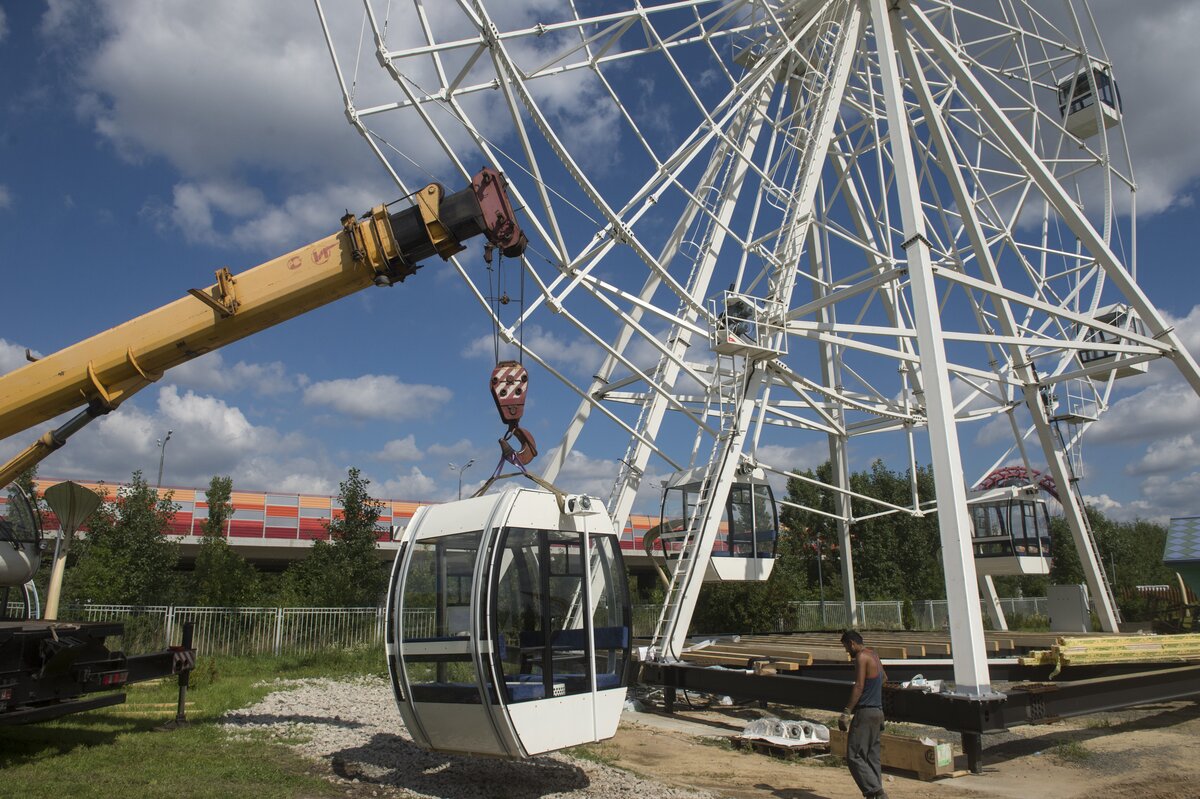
1164	496
210	372
12	356
208	437
1188	329
5	198
1167	456
400	449
577	355
376	396
415	485
1105	504
1154	412
1147	41
461	447
225	87
808	456
995	431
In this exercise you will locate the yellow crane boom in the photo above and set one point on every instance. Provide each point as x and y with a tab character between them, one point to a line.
380	248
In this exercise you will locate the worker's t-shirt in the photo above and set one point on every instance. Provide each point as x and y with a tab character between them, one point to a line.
872	695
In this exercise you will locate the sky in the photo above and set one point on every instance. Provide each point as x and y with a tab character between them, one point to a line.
146	143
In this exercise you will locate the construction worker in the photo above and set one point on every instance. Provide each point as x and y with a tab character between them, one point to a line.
863	716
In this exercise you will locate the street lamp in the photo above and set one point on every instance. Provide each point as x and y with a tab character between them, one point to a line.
162	445
460	471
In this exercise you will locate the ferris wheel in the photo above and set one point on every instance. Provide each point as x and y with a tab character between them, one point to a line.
785	222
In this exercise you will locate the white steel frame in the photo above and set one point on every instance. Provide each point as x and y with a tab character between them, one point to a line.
905	161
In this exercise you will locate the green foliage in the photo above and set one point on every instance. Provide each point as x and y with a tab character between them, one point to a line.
894	555
344	571
126	558
222	577
1129	552
118	752
908	616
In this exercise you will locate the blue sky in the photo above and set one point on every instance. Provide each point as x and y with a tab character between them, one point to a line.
145	144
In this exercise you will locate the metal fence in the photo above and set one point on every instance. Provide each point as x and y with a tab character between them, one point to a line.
249	631
927	614
277	631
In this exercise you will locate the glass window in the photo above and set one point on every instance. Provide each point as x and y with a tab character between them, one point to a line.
539	602
21	524
611	615
436	620
740	514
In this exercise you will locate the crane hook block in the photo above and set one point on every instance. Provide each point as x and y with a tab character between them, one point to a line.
499	221
509	383
523	456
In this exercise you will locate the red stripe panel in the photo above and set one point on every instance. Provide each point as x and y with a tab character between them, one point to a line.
281	532
244	529
311	529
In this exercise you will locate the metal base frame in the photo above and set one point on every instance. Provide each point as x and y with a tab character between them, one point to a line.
971	716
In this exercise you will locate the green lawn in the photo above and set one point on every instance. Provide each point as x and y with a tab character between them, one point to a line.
117	751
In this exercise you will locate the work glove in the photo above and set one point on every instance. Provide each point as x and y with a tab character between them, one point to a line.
844	722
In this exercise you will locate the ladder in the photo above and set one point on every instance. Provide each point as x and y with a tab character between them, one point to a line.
725	391
1087	525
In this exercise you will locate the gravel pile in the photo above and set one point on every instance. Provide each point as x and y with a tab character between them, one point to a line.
355	727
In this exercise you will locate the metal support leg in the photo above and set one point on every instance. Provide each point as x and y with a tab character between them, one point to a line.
185	675
972	743
669	699
991	602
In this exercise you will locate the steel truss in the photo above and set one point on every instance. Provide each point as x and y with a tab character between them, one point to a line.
892	185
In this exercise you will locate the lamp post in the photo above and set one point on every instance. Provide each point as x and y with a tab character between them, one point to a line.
162	446
460	470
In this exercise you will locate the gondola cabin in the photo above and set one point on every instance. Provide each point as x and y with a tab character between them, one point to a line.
1088	100
21	542
509	624
1010	532
1124	318
745	545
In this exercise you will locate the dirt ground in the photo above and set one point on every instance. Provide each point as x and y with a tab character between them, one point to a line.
1147	753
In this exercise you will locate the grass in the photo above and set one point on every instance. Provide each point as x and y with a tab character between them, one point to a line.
1071	752
114	752
602	753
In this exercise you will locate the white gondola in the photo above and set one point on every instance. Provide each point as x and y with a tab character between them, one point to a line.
21	543
509	624
1124	318
1010	531
1077	101
745	546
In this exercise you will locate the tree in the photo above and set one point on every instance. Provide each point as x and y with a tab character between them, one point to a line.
126	558
344	571
895	555
222	576
1130	553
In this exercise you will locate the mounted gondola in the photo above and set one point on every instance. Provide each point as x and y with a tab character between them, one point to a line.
1089	99
1010	531
745	545
1124	318
509	624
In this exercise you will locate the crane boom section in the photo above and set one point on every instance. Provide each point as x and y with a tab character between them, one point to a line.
110	366
381	248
